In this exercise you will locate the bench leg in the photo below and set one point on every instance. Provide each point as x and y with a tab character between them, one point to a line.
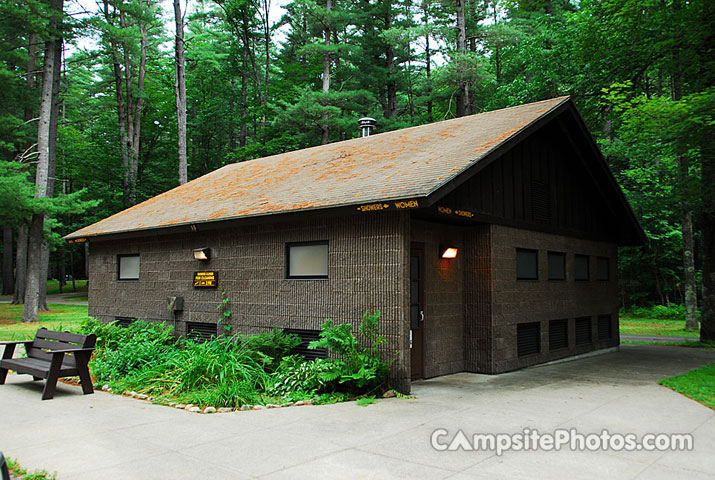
34	379
85	379
3	375
49	391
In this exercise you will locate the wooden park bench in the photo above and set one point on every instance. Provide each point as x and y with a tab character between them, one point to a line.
51	355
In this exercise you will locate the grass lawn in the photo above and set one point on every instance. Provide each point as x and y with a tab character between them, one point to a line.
650	326
53	287
60	317
698	384
698	344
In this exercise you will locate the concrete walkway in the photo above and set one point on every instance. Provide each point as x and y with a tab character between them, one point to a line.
657	338
107	436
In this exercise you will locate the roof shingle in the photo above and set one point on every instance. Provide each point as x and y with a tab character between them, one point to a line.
408	163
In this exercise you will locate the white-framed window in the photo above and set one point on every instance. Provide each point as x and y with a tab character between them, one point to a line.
128	267
307	260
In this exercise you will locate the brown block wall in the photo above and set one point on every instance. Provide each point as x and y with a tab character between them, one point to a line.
515	301
368	265
443	298
478	336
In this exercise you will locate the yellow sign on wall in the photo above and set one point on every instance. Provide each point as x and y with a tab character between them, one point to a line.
205	279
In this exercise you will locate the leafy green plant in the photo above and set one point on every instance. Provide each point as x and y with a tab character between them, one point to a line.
671	311
365	401
224	308
301	377
16	471
270	347
361	367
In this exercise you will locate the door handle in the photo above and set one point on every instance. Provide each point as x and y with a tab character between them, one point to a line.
422	316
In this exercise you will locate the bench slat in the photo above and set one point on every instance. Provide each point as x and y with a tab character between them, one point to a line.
50	345
63	336
38	368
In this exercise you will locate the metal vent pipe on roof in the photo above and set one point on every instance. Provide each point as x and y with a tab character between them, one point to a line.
367	124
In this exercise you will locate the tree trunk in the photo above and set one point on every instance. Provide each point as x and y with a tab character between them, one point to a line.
180	89
45	138
707	320
690	285
326	75
18	296
428	62
391	108
462	83
7	285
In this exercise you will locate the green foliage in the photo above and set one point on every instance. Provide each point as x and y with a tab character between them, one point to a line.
224	308
365	401
298	377
16	471
664	312
121	352
361	367
270	347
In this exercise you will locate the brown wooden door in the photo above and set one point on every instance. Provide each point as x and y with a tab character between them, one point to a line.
416	313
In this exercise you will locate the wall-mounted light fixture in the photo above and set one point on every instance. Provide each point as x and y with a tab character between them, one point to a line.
447	252
202	253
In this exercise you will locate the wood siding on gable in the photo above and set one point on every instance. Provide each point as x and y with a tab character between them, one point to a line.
542	184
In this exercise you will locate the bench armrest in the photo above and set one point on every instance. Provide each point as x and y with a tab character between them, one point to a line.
16	342
71	350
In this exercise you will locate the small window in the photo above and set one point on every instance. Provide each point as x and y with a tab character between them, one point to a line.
527	264
307	260
583	330
557	266
603	268
558	334
605	329
128	267
528	338
581	267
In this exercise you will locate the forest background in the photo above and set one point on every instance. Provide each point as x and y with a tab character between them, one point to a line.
106	103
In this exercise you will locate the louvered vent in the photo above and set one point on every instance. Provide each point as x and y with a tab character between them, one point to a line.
201	332
123	322
558	334
528	339
540	201
307	336
583	330
604	327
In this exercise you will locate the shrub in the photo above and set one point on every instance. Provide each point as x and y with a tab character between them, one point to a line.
361	369
672	311
271	347
123	351
298	377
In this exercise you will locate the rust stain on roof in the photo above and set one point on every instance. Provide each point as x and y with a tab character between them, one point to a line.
408	163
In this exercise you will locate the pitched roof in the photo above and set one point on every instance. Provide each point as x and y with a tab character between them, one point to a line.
402	164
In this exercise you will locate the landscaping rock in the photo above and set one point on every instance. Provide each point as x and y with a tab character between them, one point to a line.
105	388
299	403
172	404
257	407
227	409
245	407
189	406
289	404
141	396
309	402
180	406
272	405
389	394
210	410
195	409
